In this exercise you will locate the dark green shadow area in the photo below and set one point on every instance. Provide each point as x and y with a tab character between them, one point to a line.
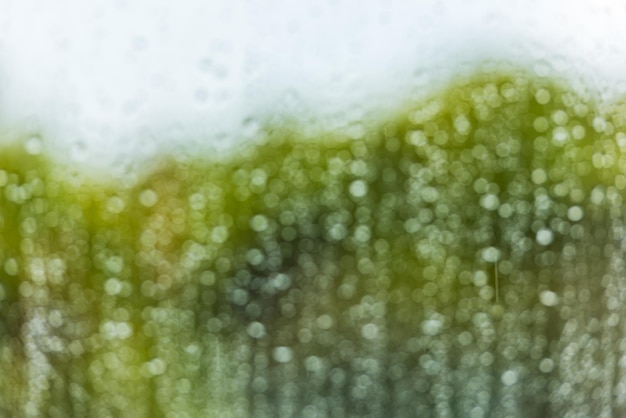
464	258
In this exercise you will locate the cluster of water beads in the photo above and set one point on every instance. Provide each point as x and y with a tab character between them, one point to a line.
463	259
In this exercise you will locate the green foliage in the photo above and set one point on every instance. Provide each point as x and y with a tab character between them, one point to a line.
443	261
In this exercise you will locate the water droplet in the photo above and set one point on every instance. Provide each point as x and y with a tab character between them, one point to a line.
33	145
480	278
113	286
78	151
465	338
358	188
560	117
541	124
575	213
542	68
282	354
240	297
491	254
324	322
115	204
256	330
156	367
55	318
11	267
219	234
599	124
560	135
432	326
259	223
148	198
544	236
548	298
597	196
546	365
369	331
429	194
250	127
462	125
114	264
486	359
509	377
313	363
490	202
542	96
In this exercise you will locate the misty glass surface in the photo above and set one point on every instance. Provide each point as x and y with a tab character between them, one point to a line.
338	209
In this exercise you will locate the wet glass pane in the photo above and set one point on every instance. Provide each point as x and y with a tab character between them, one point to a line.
312	209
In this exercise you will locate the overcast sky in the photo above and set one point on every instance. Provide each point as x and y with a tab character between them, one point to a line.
110	78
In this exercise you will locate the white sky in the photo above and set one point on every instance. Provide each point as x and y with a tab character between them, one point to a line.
106	79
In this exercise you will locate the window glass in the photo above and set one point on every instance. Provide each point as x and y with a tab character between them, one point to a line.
315	208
